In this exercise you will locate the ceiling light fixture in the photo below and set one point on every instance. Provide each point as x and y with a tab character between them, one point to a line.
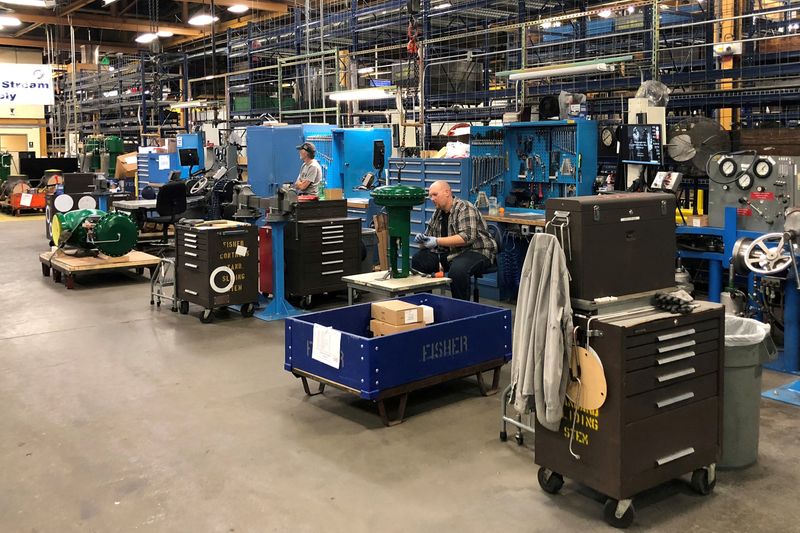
604	13
366	70
146	38
355	95
164	33
8	20
443	6
202	18
564	69
108	2
238	8
29	3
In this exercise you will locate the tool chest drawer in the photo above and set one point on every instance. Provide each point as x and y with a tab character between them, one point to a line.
658	442
664	358
687	341
683	366
669	330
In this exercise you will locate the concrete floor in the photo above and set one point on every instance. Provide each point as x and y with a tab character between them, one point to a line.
117	416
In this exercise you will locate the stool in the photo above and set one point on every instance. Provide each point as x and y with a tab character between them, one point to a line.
164	276
496	234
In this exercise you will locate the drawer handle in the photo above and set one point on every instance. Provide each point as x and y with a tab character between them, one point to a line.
191	265
193	241
329	237
333	262
675	399
191	246
332	227
332	242
333	252
190	292
233	232
686	344
675	375
330	272
192	235
675	456
677	334
676	357
190	254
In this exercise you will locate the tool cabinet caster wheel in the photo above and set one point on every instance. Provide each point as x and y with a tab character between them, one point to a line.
700	483
610	516
207	316
305	302
503	436
520	439
247	310
183	307
551	482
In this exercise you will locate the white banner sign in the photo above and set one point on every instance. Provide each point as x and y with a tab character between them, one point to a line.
22	84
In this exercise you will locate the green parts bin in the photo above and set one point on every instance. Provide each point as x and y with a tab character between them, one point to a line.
398	201
748	345
114	234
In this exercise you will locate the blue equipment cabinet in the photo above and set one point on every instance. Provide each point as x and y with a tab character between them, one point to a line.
192	140
272	157
456	345
352	158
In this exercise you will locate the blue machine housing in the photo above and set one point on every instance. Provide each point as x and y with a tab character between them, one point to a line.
149	166
352	150
369	366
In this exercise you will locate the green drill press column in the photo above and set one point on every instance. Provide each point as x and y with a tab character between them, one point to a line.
398	200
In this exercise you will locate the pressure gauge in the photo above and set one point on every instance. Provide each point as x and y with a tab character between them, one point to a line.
607	137
728	167
763	169
745	182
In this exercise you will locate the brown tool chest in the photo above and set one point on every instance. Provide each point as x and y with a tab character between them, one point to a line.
216	266
663	411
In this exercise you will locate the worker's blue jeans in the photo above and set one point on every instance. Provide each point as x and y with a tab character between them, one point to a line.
460	270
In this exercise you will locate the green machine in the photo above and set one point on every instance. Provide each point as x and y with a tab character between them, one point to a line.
98	147
113	234
5	166
398	201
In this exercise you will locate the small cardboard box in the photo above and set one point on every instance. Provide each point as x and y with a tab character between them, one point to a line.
334	194
126	166
697	221
171	145
379	329
397	313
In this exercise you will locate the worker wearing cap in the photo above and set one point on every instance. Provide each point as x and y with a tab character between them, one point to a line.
310	175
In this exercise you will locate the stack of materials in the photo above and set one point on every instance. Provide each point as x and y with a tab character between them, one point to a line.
396	316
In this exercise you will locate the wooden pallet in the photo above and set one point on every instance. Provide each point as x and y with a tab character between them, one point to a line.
66	267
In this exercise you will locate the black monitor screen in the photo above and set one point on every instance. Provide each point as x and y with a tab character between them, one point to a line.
35	167
641	145
189	157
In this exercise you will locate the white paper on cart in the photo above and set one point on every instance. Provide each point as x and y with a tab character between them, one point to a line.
326	345
163	162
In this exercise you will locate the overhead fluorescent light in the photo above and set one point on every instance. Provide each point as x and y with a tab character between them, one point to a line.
604	13
443	6
355	95
202	19
108	2
190	104
164	33
8	20
548	72
366	70
29	3
238	8
146	38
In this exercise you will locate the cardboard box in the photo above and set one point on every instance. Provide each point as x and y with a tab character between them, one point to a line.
697	221
334	194
171	145
397	313
126	166
379	329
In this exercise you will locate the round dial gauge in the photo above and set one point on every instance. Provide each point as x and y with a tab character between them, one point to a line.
763	168
607	136
745	182
728	167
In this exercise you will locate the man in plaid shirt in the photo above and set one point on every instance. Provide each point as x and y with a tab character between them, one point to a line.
457	241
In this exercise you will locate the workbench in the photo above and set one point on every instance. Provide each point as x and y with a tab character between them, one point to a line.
66	267
517	218
378	283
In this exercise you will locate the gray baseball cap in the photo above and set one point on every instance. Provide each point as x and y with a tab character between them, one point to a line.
308	147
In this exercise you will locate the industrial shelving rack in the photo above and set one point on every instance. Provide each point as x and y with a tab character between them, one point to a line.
127	95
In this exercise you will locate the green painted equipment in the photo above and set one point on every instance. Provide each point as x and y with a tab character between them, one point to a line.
114	234
5	166
100	146
398	201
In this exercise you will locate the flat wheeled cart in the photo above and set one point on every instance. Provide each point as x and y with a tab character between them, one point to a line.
66	267
466	339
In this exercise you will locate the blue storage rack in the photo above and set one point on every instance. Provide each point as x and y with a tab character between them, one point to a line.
384	367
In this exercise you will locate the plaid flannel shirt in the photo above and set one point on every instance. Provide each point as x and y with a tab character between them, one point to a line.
465	220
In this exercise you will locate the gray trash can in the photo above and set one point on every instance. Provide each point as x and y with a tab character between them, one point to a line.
748	345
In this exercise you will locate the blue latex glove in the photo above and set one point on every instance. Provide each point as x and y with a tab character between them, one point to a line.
420	238
430	242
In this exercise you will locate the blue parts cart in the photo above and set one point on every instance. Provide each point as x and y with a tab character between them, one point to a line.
466	339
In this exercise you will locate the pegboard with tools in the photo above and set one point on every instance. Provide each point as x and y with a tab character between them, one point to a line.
550	159
488	161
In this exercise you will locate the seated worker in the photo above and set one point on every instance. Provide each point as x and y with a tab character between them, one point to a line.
458	241
310	176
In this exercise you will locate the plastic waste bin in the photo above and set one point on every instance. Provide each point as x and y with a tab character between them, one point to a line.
748	345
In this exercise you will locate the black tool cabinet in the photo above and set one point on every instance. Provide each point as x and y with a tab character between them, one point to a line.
319	252
216	267
663	413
